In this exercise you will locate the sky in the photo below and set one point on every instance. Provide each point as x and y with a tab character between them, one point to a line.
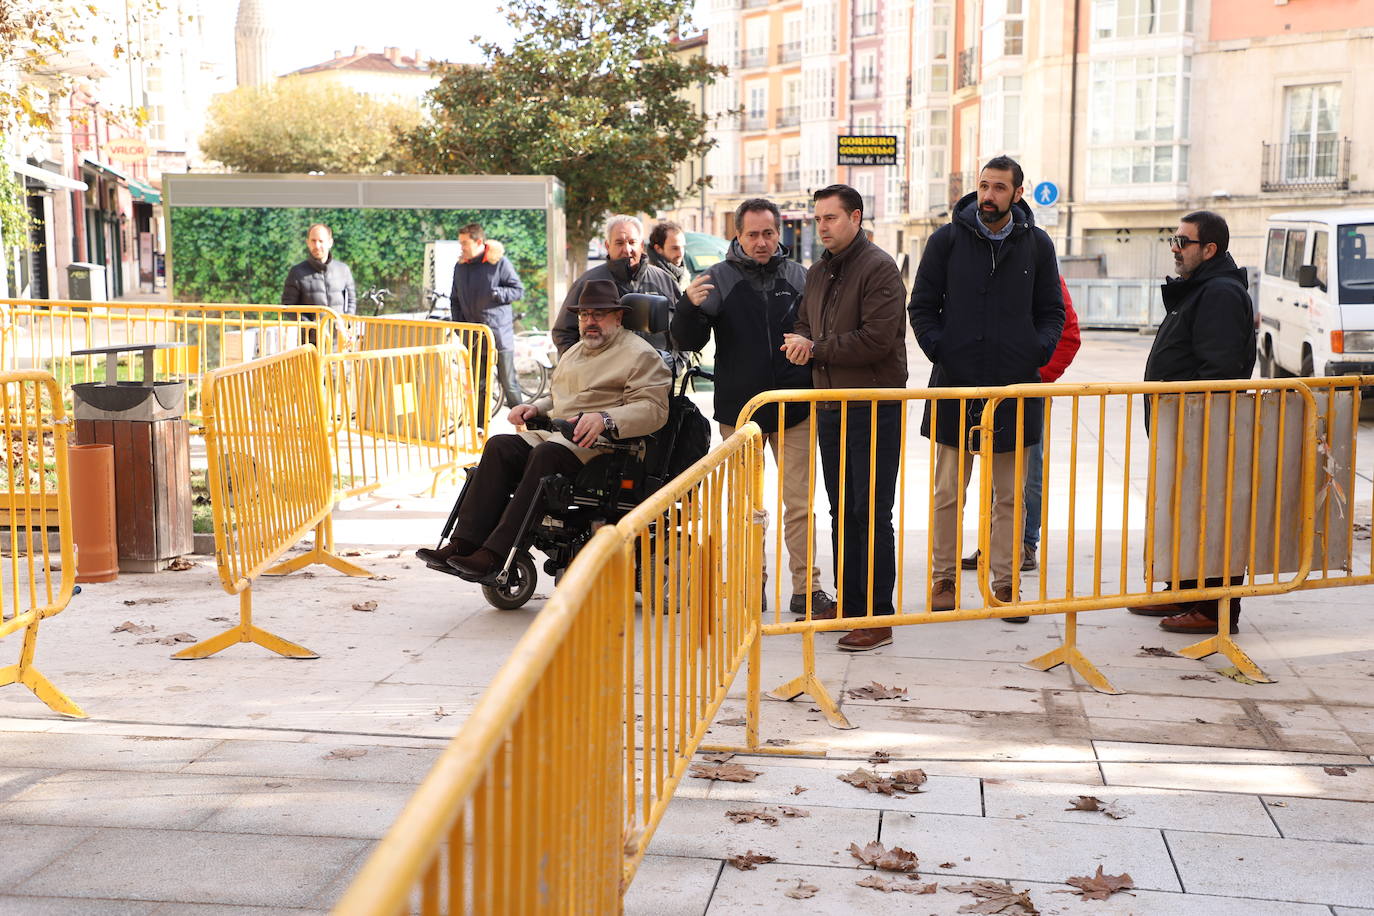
309	33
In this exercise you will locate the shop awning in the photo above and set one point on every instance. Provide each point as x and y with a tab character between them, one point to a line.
46	177
90	161
143	192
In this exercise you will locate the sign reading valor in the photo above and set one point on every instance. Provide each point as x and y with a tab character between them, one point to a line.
867	150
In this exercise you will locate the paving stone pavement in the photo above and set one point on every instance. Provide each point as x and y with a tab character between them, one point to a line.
234	785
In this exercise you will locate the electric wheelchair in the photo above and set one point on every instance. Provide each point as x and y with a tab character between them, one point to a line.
568	509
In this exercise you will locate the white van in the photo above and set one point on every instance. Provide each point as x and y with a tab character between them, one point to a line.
1316	294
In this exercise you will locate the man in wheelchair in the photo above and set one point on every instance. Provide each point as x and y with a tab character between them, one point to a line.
609	387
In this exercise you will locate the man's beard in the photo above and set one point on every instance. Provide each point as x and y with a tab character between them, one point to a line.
991	216
596	341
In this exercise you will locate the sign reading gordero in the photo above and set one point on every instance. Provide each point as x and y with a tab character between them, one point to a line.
867	150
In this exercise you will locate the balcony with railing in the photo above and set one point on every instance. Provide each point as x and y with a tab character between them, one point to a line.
756	120
865	24
1306	165
789	51
753	184
865	89
967	74
789	116
753	57
755	4
789	181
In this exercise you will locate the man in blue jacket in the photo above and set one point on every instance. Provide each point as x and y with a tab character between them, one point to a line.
484	286
987	310
750	300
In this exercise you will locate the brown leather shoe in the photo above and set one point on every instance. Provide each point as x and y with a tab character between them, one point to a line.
481	562
1003	595
438	556
1193	622
1163	610
864	640
942	596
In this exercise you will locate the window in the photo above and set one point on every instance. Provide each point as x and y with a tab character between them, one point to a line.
1292	253
1319	255
1001	116
1013	37
1138	118
1135	18
1312	118
1355	267
1273	254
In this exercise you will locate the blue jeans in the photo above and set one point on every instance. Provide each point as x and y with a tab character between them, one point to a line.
1035	462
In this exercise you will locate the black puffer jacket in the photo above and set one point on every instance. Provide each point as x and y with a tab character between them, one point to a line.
987	316
329	285
749	310
1208	331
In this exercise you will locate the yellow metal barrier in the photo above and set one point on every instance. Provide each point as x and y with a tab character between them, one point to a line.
270	482
42	334
34	482
547	798
1252	446
402	411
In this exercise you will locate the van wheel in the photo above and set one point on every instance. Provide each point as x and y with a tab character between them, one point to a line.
1307	370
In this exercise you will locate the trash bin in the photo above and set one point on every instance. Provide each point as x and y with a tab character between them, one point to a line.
85	281
144	421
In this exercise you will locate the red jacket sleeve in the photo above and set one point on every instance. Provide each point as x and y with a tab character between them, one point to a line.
1069	341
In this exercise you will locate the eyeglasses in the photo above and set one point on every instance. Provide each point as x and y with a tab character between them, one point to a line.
595	314
1181	241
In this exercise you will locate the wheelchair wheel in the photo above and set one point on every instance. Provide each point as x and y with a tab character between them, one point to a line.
519	587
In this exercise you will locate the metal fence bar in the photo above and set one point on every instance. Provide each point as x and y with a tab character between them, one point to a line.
35	499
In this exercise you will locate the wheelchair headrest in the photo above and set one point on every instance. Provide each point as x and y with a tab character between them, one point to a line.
645	312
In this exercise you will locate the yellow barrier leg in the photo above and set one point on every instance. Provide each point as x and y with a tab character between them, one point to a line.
322	552
1069	654
1224	645
810	685
245	632
751	713
25	673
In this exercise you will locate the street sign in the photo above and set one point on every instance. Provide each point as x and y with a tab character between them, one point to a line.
1046	216
127	149
1045	194
866	150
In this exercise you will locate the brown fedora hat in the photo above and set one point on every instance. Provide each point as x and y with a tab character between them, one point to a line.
598	294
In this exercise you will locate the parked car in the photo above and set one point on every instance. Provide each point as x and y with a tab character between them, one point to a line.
703	250
1316	296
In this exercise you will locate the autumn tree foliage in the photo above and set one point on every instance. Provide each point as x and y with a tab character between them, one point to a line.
591	92
295	125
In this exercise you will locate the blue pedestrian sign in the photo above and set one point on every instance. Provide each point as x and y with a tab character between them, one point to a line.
1045	194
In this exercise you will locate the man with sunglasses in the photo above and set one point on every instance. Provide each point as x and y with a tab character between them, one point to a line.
1208	332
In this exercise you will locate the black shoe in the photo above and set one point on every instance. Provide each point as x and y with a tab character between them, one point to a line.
970	561
479	564
821	603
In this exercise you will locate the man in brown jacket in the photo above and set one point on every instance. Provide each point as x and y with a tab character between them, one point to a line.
850	329
609	381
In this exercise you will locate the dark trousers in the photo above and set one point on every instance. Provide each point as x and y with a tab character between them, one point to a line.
505	377
503	487
853	593
1209	608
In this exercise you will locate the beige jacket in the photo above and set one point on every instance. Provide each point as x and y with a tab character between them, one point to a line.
626	378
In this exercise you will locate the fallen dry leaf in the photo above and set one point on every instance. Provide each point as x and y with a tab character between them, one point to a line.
1155	652
801	891
1196	677
737	720
275	785
218	619
894	859
746	815
875	691
746	861
723	772
393	556
1338	771
1234	674
345	753
133	601
352	553
1020	689
441	713
891	885
137	629
721	757
900	781
946	864
166	640
995	897
380	578
797	790
1278	804
879	757
181	564
1100	886
1093	803
789	811
777	742
365	606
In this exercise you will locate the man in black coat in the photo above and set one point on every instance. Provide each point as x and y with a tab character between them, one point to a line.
750	301
987	309
484	286
1208	332
320	280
